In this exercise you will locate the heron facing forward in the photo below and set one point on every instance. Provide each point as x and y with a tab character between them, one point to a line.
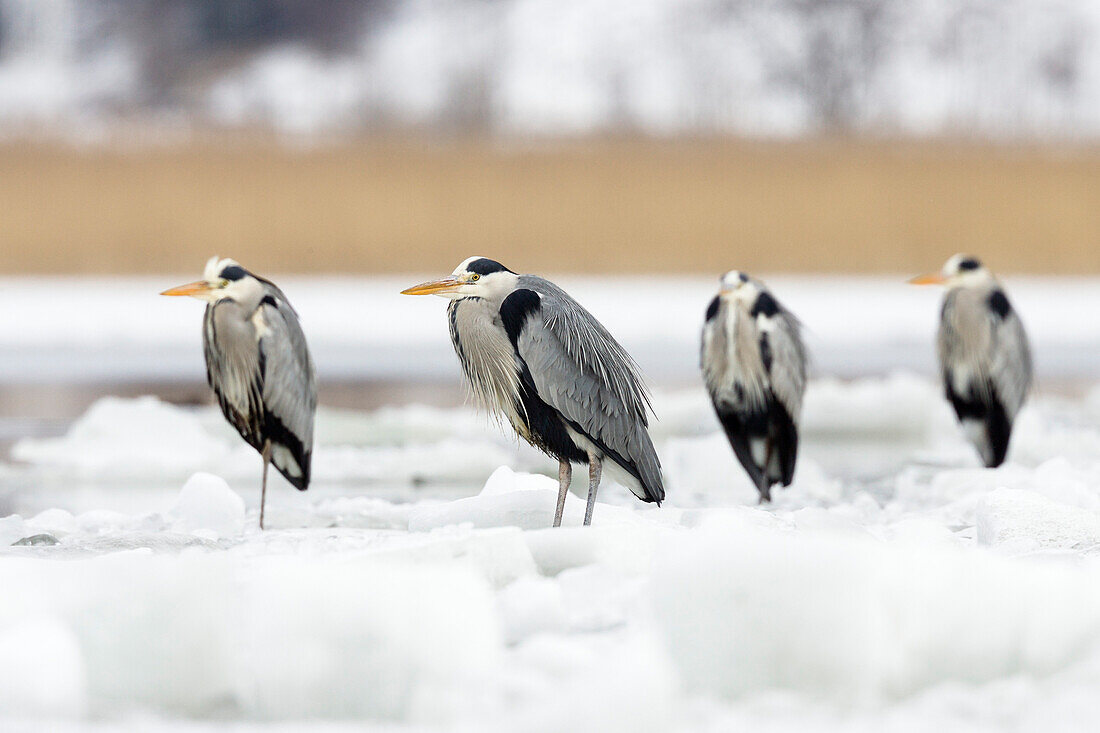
533	355
259	366
754	366
985	359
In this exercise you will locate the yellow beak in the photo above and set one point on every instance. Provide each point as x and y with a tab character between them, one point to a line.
932	278
443	285
199	286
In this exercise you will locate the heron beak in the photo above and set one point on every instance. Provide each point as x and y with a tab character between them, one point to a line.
434	287
194	289
932	278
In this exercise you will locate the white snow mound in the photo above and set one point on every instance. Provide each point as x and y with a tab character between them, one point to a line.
852	619
1027	520
206	503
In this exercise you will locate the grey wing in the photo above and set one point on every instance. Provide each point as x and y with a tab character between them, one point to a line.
1010	367
289	389
580	370
788	363
979	349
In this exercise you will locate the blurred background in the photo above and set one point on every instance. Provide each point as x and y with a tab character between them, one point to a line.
633	149
141	136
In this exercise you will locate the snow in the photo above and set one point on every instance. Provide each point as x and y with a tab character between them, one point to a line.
852	619
119	329
206	504
895	585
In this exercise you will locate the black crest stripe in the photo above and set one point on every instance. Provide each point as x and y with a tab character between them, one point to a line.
233	272
485	266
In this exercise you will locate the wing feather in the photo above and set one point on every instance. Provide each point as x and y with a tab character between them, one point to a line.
787	370
289	387
579	369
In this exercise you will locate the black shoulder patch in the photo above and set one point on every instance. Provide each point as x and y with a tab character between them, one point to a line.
998	303
766	352
712	309
765	304
515	309
270	300
486	266
233	272
969	264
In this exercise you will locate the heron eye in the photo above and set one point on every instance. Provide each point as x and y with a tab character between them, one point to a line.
223	284
475	277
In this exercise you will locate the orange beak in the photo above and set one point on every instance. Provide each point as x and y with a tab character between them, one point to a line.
932	278
199	286
443	285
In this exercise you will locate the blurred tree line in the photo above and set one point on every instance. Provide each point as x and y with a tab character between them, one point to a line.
779	66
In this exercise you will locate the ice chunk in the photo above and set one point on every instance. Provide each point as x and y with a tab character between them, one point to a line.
363	639
1028	520
621	545
499	553
12	529
129	438
505	481
55	521
530	508
853	619
204	634
448	461
207	503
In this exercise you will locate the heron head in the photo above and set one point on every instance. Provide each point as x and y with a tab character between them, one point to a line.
476	277
961	270
222	278
736	285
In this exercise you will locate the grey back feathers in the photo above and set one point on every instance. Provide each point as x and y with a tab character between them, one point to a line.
985	363
533	355
579	369
754	366
748	358
260	368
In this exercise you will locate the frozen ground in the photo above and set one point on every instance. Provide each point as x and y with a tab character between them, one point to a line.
73	330
417	586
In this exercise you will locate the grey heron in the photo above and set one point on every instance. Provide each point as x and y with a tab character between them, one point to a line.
985	359
754	366
532	354
259	366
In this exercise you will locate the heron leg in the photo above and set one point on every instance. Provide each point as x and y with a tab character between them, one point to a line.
565	476
263	485
765	486
595	468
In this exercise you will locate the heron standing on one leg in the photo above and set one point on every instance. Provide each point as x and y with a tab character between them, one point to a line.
985	360
532	354
754	366
259	365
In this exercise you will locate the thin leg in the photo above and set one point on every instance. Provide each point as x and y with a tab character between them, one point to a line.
565	476
765	485
595	468
263	486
